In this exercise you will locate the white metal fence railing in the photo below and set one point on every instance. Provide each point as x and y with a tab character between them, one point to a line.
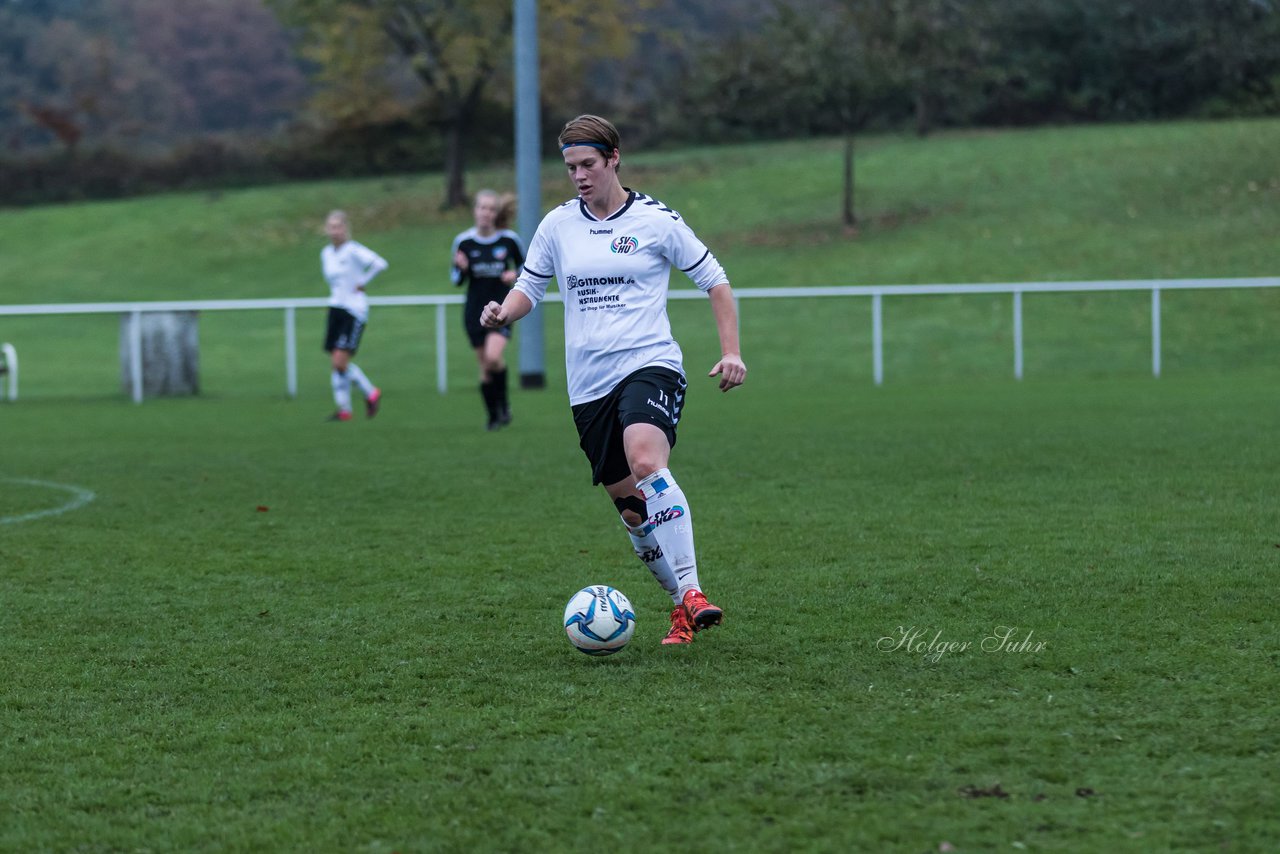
877	293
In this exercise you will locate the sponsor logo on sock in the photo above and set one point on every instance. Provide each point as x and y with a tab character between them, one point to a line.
664	516
650	555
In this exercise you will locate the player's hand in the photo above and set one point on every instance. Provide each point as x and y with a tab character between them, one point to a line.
493	316
509	277
461	261
732	371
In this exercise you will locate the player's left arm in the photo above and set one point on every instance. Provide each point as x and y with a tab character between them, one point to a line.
695	260
372	264
730	368
516	259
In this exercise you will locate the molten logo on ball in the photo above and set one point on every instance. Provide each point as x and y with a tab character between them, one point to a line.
599	620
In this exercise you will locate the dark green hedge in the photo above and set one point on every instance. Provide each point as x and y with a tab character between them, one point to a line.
403	145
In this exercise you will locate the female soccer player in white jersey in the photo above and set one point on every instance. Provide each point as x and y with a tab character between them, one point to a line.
348	266
612	250
487	258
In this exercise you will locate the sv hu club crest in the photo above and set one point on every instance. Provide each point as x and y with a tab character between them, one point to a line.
625	245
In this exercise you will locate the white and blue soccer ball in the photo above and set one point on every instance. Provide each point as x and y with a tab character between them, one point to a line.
599	620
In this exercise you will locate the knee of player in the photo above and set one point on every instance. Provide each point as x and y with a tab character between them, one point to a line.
646	465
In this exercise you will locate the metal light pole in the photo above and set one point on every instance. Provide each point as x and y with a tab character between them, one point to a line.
528	176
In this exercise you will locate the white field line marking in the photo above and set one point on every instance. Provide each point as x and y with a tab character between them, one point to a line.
80	497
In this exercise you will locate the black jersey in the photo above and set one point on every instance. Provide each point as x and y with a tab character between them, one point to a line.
488	257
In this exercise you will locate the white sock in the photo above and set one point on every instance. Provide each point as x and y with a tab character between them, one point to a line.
341	390
671	524
652	556
357	376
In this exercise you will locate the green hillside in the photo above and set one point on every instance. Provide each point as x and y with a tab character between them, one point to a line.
1149	201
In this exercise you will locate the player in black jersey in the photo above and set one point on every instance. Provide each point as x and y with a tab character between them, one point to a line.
488	257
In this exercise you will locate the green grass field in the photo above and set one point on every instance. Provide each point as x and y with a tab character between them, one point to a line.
962	612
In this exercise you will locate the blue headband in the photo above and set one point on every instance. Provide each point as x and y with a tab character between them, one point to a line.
596	145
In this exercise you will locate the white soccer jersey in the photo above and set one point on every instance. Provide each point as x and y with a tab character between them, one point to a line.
613	275
348	268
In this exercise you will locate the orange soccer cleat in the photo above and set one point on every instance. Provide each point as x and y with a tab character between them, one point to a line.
701	613
681	629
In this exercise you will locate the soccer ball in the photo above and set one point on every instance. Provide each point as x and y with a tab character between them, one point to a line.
599	620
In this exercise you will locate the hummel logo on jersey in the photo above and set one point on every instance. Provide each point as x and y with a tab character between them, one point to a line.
602	231
625	245
654	203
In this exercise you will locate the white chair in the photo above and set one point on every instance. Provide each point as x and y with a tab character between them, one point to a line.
9	367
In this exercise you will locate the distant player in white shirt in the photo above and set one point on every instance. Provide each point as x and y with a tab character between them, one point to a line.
612	249
348	266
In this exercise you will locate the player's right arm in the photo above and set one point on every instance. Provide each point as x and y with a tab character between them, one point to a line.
461	265
530	286
497	315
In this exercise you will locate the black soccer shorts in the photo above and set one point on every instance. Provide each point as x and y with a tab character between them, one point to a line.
343	331
648	396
